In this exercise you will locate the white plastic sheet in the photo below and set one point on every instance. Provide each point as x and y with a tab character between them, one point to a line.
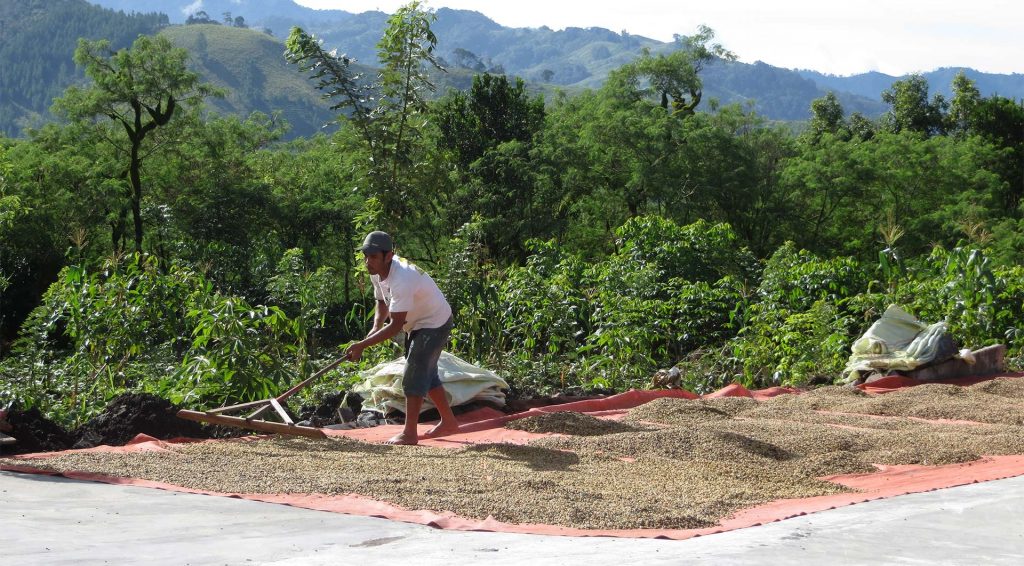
381	387
896	341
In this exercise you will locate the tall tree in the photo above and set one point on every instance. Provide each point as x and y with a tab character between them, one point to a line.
494	111
673	79
390	113
910	109
634	135
488	134
861	127
843	189
10	207
966	98
1000	120
826	116
138	88
406	52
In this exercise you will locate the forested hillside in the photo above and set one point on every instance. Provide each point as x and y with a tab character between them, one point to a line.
250	68
779	94
571	58
37	39
871	85
468	43
584	240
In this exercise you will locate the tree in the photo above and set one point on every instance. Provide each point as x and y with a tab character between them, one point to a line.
138	88
831	182
735	160
466	59
1000	120
633	140
674	78
861	127
826	116
910	109
608	159
200	17
929	186
10	205
625	150
335	75
392	127
493	112
489	135
966	97
61	181
10	208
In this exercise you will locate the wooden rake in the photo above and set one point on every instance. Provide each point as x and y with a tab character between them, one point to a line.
252	422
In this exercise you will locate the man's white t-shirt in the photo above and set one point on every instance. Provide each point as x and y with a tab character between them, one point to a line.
408	289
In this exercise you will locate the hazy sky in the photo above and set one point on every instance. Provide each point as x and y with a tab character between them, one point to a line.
843	38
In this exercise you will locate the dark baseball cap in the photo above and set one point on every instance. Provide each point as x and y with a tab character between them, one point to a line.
377	242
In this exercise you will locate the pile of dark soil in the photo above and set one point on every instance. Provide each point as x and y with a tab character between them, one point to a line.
36	433
136	413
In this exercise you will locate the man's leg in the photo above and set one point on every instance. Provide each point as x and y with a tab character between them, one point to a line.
408	436
448	424
421	376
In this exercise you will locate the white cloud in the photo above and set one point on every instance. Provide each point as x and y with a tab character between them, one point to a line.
192	8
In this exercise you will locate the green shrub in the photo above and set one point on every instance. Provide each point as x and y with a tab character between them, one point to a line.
139	324
100	332
799	325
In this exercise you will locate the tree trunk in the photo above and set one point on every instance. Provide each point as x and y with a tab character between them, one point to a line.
136	182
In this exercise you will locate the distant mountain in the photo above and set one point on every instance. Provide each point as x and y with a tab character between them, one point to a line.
37	42
573	58
871	85
254	12
250	64
778	94
251	67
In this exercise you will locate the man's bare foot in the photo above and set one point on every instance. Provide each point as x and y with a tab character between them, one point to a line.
402	439
442	429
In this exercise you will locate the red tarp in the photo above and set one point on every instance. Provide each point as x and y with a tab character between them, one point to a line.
487	425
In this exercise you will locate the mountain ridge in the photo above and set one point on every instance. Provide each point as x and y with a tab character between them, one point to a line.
571	59
574	57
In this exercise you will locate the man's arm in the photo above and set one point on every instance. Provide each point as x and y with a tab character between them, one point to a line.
380	317
389	331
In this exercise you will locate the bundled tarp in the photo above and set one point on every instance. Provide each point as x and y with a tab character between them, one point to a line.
381	387
898	341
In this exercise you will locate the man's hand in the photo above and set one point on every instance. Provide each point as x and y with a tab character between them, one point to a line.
354	352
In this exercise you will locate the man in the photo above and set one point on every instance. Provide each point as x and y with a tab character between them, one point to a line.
409	300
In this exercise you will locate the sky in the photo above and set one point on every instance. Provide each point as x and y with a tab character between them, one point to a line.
895	37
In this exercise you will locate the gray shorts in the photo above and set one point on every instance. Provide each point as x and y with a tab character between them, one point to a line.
422	350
